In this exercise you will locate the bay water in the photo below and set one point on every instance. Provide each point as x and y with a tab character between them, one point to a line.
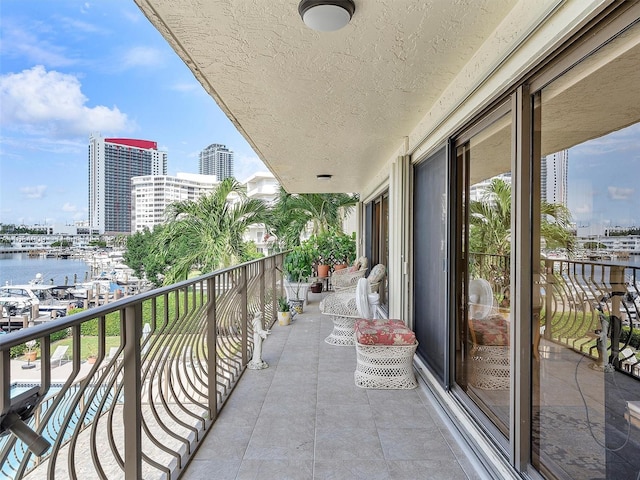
19	268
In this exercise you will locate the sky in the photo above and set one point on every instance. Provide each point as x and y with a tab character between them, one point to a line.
70	68
604	180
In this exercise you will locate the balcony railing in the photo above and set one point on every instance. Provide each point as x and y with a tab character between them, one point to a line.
590	307
167	361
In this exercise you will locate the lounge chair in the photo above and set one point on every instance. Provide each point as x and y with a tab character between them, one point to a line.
59	354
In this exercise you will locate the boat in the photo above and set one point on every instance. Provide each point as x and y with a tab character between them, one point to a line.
23	299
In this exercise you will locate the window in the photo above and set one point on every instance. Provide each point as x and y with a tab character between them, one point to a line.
484	253
377	238
585	287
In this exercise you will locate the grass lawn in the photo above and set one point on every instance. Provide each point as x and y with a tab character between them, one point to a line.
88	346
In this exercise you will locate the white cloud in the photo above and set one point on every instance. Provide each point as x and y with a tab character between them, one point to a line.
21	43
52	103
37	191
618	193
142	57
68	207
186	87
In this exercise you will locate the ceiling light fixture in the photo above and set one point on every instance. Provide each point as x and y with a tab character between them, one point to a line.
326	15
324	176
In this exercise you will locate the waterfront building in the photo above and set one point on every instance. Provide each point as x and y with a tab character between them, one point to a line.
460	94
515	380
216	160
112	164
151	194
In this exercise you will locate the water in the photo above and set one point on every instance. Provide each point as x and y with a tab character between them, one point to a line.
19	268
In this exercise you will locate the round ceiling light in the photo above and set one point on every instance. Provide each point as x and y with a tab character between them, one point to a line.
326	15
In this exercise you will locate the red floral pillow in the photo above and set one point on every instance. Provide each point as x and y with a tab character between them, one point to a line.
383	332
493	330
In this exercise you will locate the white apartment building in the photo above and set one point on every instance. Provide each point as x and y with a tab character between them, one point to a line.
264	186
151	194
112	164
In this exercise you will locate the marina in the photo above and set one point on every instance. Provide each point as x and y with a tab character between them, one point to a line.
39	287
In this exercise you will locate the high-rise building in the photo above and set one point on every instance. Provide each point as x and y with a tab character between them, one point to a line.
216	160
152	194
112	164
553	177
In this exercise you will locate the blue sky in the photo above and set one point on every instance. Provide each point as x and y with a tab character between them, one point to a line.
69	68
604	179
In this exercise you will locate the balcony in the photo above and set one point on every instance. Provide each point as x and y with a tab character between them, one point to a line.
302	417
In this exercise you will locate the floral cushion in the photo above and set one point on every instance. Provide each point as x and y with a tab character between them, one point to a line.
493	330
383	332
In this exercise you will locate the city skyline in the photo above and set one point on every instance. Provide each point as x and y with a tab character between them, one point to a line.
70	69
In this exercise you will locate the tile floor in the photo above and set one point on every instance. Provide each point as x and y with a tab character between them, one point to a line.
304	418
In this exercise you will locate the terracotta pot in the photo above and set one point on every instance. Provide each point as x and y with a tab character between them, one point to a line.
91	359
30	356
316	287
323	270
340	266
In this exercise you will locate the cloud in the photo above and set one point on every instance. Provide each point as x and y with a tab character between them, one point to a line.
142	57
186	87
618	193
68	207
52	103
34	192
21	43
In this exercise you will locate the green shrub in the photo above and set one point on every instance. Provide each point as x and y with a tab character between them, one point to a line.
635	338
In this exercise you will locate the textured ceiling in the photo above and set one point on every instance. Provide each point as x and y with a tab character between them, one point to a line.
337	102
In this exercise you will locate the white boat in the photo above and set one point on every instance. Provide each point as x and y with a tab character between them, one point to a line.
21	300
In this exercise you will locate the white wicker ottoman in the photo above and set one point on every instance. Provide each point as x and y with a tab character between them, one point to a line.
384	355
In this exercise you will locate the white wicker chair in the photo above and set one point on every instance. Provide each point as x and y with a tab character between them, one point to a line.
375	277
344	311
348	277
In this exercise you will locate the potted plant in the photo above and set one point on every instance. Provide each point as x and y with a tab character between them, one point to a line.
284	315
324	252
298	262
30	355
298	268
344	250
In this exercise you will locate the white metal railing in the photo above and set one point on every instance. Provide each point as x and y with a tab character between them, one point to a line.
143	408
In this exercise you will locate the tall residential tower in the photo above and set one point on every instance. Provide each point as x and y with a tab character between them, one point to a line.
216	160
112	164
554	177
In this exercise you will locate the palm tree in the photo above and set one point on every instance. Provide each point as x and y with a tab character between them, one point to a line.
286	222
292	212
209	230
490	222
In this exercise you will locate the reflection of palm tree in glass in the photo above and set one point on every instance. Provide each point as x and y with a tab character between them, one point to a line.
490	231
